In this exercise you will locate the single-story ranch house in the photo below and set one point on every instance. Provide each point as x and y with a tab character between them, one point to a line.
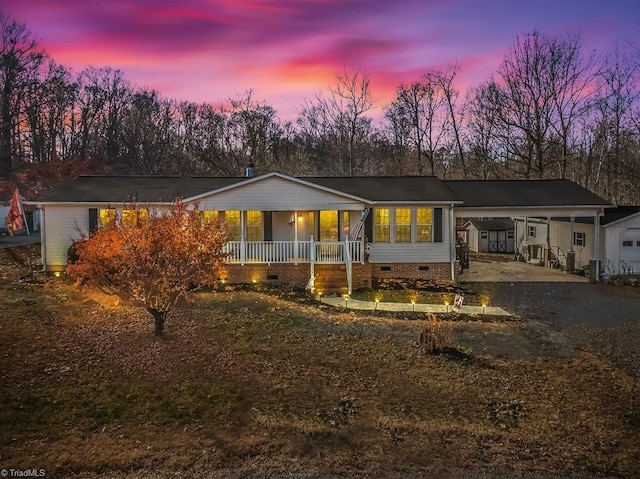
334	231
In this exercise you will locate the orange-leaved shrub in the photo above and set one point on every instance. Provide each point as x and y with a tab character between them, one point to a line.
156	260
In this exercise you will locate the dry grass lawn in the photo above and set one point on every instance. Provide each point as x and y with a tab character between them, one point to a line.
249	384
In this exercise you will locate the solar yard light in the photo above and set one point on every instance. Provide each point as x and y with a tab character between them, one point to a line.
446	304
377	300
484	307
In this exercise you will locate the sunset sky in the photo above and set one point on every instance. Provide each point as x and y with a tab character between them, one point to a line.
288	50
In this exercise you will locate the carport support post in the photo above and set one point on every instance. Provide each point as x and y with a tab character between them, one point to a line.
548	252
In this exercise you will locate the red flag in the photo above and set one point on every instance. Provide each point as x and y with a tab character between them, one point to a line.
14	218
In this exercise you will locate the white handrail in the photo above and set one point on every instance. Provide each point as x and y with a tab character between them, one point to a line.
322	252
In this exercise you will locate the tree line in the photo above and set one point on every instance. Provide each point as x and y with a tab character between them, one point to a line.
550	110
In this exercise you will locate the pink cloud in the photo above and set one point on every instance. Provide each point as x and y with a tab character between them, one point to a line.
207	50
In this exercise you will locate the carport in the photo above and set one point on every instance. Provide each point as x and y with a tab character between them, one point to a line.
542	199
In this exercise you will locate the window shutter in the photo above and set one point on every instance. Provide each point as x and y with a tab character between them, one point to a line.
437	225
93	219
268	225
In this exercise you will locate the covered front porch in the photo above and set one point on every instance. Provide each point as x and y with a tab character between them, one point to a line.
292	237
294	252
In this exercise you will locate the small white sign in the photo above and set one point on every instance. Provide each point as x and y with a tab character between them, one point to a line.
457	303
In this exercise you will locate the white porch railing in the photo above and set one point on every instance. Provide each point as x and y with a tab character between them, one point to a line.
293	252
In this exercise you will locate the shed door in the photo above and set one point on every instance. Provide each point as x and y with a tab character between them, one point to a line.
497	241
630	250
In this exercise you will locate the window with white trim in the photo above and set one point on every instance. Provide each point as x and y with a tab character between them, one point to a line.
254	225
424	224
382	225
232	219
403	225
579	239
107	216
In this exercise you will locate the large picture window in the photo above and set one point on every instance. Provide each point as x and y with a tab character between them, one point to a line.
424	224
382	225
403	225
329	225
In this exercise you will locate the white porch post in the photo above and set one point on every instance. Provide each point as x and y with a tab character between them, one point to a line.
295	237
452	242
312	251
596	246
243	246
347	257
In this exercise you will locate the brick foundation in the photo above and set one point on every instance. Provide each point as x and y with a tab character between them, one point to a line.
286	274
333	277
426	271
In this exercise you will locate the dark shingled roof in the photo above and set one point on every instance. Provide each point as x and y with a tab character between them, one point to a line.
389	188
147	189
479	193
610	215
493	225
116	189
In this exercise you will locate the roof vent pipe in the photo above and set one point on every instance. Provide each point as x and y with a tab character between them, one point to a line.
248	172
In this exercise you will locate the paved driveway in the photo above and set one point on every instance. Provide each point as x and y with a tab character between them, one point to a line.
485	269
20	239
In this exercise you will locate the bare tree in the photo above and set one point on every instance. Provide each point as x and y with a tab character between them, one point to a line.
618	137
47	105
423	106
445	82
20	61
542	89
340	118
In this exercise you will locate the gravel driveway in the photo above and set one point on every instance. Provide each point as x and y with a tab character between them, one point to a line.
561	319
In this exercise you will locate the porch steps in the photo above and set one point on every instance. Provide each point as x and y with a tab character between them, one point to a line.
331	280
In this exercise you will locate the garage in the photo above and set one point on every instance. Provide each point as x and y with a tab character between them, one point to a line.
630	251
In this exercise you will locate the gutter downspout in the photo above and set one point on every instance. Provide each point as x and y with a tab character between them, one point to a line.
43	238
452	242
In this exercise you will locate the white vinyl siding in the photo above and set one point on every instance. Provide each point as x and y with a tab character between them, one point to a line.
414	252
63	224
278	194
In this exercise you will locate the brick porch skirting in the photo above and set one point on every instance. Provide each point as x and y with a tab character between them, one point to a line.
332	275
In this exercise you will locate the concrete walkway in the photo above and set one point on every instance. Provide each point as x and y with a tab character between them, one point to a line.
341	302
